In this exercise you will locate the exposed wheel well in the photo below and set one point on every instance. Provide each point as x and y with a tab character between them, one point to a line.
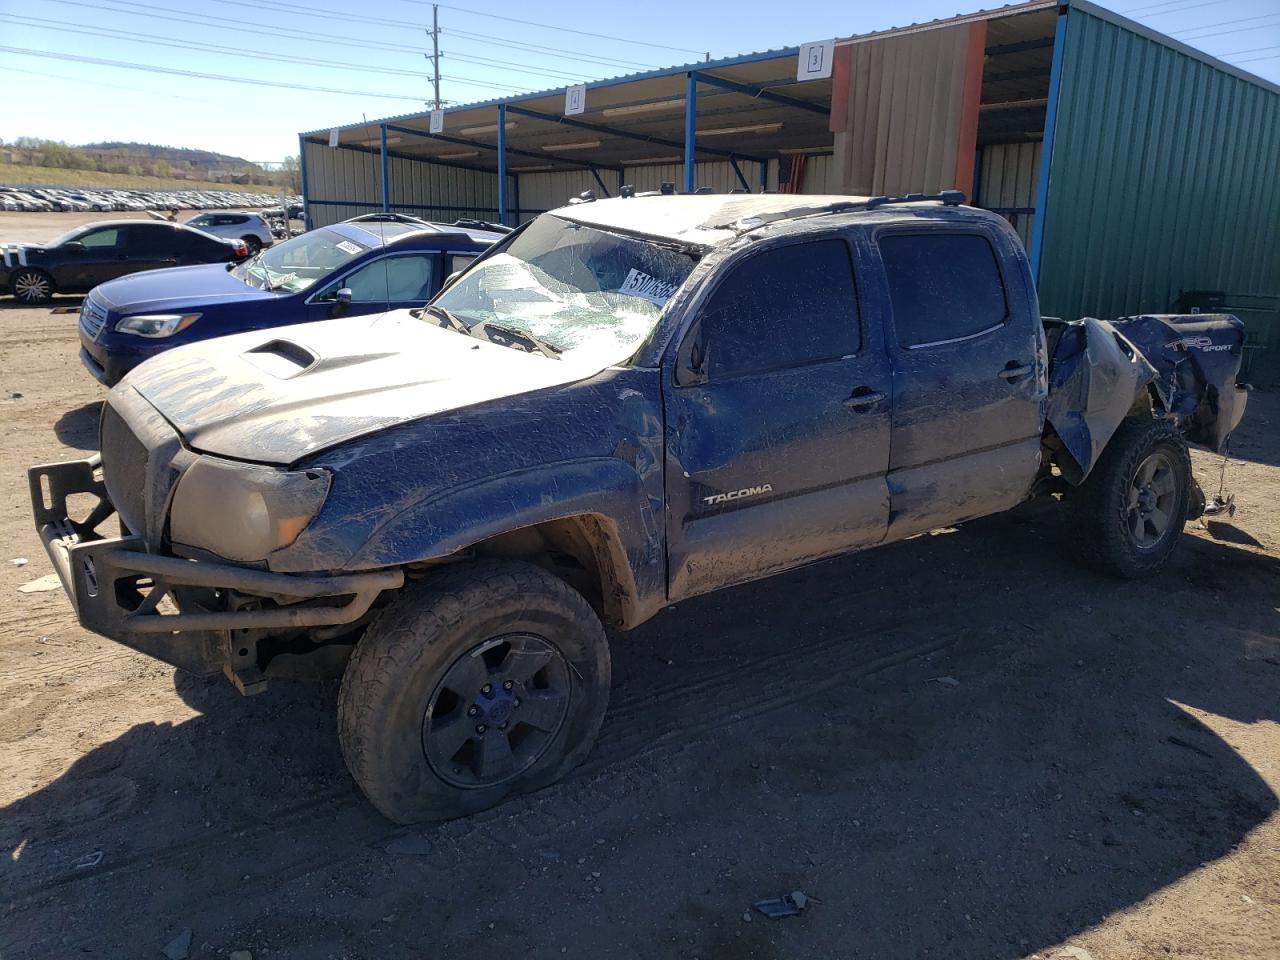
584	550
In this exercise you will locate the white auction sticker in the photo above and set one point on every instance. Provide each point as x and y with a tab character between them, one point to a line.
650	288
346	246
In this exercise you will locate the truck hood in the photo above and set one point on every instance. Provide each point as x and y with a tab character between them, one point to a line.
281	395
178	288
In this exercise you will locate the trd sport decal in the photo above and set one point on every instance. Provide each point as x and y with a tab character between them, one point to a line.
738	494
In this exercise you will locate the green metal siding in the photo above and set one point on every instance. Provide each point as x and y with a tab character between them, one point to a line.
1164	177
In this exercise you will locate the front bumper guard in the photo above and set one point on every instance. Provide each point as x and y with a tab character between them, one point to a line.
102	576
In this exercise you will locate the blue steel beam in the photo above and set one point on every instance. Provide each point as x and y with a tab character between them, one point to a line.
302	171
386	185
764	175
502	163
760	93
1046	146
615	132
737	172
603	189
690	127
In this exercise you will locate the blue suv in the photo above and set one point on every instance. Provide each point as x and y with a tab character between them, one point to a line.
370	264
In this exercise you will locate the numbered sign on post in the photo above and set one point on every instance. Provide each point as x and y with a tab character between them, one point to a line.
333	137
437	121
815	60
575	100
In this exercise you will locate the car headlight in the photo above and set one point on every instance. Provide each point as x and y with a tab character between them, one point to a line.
156	324
242	511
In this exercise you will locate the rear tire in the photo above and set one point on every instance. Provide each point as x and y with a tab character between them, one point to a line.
1127	516
492	678
31	286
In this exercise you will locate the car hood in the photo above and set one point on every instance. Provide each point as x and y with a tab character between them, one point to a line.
281	395
174	288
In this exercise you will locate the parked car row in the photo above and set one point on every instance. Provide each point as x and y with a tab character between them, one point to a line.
40	199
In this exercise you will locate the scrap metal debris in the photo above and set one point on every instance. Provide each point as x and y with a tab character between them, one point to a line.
792	905
88	860
948	681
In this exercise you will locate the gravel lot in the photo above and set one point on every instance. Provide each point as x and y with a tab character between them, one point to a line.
1101	776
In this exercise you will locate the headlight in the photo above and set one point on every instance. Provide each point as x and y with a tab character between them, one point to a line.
241	511
156	324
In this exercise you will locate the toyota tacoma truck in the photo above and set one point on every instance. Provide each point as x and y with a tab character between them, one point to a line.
622	404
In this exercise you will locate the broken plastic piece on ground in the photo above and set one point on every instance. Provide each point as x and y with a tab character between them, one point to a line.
949	681
88	860
792	905
41	584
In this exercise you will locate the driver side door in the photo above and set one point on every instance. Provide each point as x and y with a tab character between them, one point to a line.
102	253
777	421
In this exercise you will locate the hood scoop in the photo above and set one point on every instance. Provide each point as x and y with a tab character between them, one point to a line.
282	358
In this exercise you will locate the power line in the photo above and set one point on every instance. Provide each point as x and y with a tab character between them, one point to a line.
518	66
252	54
486	61
114	86
1225	23
1237	53
1168	3
1219	33
173	71
568	54
549	26
133	37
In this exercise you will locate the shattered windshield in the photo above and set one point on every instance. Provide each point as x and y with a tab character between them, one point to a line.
571	287
299	262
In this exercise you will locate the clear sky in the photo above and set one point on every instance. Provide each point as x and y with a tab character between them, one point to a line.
369	55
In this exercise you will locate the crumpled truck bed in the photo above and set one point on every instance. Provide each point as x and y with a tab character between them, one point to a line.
1098	370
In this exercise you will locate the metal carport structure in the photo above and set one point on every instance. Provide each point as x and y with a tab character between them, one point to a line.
1135	168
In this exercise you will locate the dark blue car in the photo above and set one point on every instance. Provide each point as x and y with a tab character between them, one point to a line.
368	265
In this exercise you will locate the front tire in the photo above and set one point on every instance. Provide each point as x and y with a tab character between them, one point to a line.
1127	516
31	286
253	244
491	678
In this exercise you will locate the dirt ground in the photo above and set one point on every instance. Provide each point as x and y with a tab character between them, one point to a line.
961	746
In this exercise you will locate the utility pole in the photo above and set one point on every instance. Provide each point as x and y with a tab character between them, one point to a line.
434	56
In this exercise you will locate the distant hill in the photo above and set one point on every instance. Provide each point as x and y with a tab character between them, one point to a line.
215	162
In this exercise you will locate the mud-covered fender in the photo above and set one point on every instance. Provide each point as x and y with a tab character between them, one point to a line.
1095	377
446	522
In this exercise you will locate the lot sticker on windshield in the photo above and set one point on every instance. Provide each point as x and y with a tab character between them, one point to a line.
650	288
346	246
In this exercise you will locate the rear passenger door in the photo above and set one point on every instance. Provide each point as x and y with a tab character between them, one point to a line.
151	245
968	376
777	420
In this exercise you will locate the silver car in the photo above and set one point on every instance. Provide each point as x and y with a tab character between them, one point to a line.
236	225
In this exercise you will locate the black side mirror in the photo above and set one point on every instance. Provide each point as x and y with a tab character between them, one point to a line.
341	302
73	246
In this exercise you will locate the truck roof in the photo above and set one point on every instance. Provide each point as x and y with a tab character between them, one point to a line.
703	219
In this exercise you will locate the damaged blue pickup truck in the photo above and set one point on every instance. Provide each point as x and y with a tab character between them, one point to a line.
623	404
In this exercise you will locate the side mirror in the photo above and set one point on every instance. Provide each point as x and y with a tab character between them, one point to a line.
73	246
341	302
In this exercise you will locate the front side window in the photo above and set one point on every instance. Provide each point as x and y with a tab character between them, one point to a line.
396	279
942	286
102	239
780	308
572	286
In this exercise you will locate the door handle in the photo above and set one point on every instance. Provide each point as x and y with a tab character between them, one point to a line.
1012	373
863	399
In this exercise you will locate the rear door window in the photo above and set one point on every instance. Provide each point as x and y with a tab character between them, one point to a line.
146	240
784	307
942	286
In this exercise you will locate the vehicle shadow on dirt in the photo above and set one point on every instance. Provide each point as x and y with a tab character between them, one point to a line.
60	300
963	745
78	428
